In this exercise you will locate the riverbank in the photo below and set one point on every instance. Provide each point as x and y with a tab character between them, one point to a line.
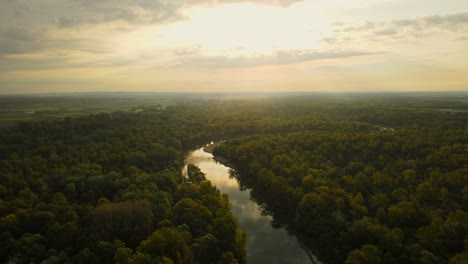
265	244
209	149
225	162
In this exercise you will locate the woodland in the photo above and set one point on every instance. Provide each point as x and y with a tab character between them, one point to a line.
356	178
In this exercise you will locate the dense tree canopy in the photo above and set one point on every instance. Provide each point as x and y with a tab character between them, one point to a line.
381	195
108	188
361	180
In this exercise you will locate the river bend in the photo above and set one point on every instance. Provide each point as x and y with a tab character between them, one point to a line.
264	243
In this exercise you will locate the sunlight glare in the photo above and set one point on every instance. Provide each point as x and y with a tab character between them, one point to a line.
246	29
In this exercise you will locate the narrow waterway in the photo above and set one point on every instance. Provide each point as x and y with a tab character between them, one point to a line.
264	243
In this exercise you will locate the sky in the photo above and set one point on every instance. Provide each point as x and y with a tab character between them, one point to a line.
233	45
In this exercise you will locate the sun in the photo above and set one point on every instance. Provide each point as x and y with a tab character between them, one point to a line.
246	29
229	30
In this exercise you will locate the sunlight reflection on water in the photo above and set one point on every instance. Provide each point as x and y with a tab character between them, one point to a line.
264	243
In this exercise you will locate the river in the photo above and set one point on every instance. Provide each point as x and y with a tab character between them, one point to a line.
264	243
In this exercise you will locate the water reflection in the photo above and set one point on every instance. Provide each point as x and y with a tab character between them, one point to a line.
265	244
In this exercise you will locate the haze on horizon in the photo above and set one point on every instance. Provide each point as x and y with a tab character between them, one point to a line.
233	45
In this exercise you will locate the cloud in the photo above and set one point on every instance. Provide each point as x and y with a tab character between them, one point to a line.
14	39
24	25
452	22
399	29
385	32
362	27
143	11
82	12
261	2
189	51
131	12
277	58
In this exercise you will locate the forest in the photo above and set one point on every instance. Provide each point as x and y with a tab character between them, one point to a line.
356	178
357	194
108	188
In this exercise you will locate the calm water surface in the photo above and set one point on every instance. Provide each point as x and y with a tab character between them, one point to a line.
264	243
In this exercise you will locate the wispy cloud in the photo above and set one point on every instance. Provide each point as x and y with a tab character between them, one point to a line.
262	2
277	58
452	22
406	31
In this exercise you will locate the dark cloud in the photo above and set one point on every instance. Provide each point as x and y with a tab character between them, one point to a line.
453	22
16	39
67	22
140	11
132	12
23	23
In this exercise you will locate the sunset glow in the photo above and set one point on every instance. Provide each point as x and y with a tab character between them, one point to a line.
384	45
